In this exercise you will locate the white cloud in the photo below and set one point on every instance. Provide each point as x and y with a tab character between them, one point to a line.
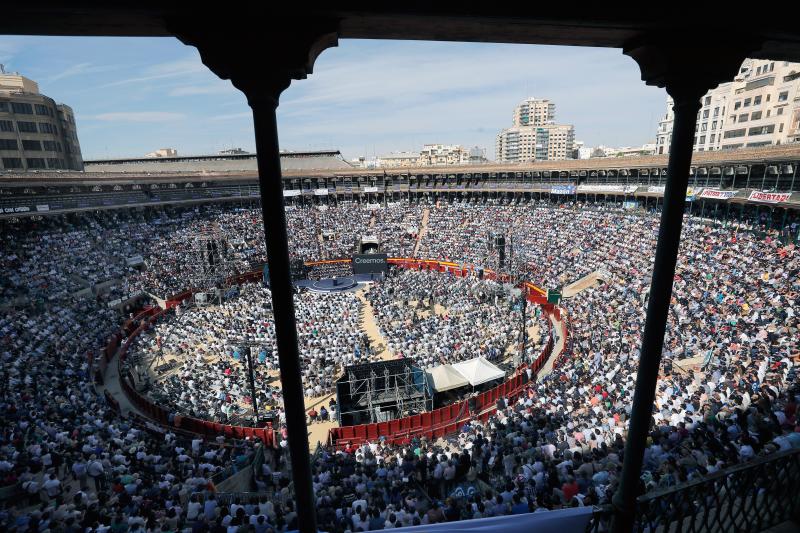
233	116
169	69
194	90
138	116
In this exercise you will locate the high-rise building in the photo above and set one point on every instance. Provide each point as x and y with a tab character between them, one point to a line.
36	133
760	107
534	135
534	112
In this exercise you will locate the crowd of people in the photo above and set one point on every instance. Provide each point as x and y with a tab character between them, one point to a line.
208	345
728	392
437	319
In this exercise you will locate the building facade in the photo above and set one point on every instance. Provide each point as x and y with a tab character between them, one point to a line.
760	107
534	135
431	155
36	133
534	112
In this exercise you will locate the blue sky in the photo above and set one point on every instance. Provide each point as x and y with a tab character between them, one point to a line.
131	96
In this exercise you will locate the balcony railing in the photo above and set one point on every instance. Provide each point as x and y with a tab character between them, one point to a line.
749	497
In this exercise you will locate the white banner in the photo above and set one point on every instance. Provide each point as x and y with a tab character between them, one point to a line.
321	192
370	189
769	197
293	192
18	209
560	521
656	188
627	189
43	207
716	193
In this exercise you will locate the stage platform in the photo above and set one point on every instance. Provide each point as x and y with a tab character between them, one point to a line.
342	284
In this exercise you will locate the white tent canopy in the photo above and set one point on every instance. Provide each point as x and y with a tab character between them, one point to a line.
445	377
478	371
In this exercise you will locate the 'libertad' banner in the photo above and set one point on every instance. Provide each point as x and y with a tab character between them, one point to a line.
769	197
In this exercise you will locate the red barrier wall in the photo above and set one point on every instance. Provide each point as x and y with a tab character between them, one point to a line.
445	420
433	424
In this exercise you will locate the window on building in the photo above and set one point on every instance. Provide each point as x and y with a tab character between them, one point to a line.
46	127
35	162
22	108
780	129
782	97
704	126
755	115
768	112
747	102
768	97
35	146
735	133
737	105
6	125
705	113
26	127
51	146
779	111
12	162
757	100
43	110
713	125
743	117
3	107
53	162
762	130
702	139
8	144
711	140
708	100
716	112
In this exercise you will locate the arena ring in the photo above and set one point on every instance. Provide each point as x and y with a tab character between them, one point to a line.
433	424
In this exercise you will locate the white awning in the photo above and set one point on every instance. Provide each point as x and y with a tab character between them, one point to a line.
445	377
478	371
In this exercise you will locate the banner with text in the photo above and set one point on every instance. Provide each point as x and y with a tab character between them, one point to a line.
292	192
370	189
716	193
769	197
321	192
370	263
18	209
627	189
563	189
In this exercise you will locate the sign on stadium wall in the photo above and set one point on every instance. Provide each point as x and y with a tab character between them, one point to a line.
370	189
769	197
18	209
292	192
627	189
370	263
691	192
562	189
716	193
321	192
43	207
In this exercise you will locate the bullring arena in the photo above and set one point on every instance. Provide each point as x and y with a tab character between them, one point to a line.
490	391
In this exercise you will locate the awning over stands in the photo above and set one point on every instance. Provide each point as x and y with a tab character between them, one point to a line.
478	371
445	377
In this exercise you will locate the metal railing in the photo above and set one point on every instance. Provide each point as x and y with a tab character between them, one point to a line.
749	497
